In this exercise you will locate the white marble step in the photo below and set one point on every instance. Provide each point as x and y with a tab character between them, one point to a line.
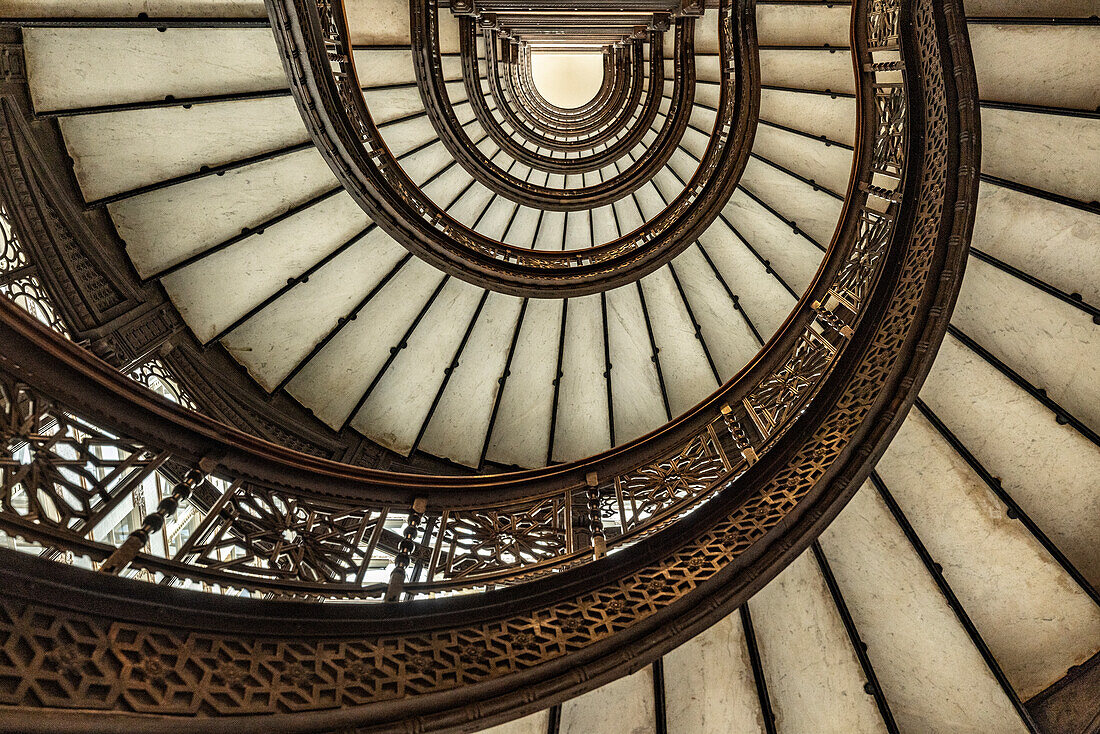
827	166
817	69
1051	241
931	674
222	287
165	226
276	339
1050	470
815	682
1030	8
802	25
635	384
336	378
1054	345
551	234
121	151
727	334
792	256
81	67
624	706
1055	153
1037	622
816	114
765	301
688	376
582	426
815	212
524	227
386	23
459	426
1046	239
131	8
379	66
1038	64
398	406
389	104
521	435
709	687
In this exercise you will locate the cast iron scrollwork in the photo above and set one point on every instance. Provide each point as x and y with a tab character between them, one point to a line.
730	492
323	78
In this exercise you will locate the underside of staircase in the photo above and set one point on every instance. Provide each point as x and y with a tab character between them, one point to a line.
449	419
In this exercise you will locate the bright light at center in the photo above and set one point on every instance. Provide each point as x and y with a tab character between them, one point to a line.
565	79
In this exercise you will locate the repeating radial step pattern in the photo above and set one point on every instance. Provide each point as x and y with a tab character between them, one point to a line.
957	584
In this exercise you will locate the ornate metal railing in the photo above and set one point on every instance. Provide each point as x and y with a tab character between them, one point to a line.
19	280
668	534
587	125
554	136
274	536
585	122
629	131
433	91
318	60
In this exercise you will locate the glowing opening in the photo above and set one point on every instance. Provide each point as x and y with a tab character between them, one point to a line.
567	79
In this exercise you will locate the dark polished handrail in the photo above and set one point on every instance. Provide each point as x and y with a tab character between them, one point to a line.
834	386
343	130
577	132
548	134
429	73
629	134
242	457
588	122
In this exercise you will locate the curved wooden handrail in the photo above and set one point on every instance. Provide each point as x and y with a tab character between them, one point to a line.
343	130
429	74
443	664
629	134
880	307
523	118
588	122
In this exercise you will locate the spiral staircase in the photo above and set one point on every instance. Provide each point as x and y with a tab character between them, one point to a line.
351	383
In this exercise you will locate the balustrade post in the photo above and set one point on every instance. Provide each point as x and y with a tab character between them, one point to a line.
152	522
740	437
595	522
405	550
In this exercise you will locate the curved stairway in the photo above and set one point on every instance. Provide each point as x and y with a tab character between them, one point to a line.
958	587
669	339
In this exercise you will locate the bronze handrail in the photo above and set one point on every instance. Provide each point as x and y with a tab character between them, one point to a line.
721	437
343	129
628	135
187	662
429	74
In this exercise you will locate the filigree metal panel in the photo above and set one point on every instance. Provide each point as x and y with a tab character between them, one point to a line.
376	180
492	540
262	533
156	376
642	496
405	673
58	470
19	282
776	398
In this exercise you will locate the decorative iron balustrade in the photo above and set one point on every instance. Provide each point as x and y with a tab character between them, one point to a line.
584	128
428	64
524	145
19	282
552	136
341	125
706	510
274	538
253	535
